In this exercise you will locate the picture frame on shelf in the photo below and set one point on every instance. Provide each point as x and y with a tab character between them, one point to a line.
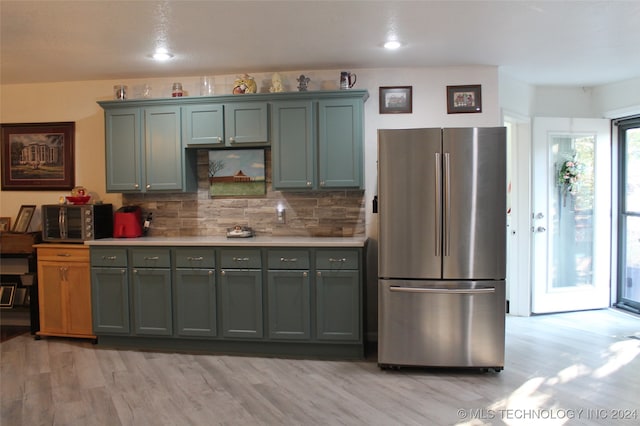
396	99
464	99
5	224
23	220
38	156
7	294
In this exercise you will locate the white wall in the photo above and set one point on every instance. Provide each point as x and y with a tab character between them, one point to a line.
76	101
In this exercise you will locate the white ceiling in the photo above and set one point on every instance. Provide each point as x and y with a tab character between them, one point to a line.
575	43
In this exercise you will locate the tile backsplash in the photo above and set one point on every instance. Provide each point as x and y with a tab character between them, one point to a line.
315	213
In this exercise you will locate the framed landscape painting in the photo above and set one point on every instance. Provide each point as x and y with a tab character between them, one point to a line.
237	173
38	156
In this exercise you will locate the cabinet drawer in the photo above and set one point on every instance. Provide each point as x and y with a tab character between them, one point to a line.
197	257
288	259
241	258
151	258
69	253
337	259
116	257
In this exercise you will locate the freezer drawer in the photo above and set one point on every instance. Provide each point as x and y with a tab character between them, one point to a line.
441	324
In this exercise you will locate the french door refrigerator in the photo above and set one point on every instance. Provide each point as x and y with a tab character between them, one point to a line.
442	242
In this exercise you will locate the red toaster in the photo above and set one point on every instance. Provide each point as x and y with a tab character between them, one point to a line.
127	222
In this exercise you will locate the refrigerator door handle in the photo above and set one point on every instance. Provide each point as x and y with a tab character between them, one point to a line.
484	290
438	204
447	205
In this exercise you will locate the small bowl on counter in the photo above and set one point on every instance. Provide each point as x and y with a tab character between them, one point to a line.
78	199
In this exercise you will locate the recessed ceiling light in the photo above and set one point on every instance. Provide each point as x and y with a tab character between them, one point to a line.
162	55
392	45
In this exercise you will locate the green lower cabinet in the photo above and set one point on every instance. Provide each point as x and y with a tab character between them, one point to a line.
152	301
241	304
338	305
289	305
110	300
195	303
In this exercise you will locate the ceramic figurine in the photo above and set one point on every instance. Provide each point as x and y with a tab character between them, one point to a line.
276	84
245	84
303	82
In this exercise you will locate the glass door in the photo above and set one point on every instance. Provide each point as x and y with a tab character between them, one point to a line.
571	214
629	221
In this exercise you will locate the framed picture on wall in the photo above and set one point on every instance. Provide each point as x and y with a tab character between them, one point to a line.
237	173
464	99
38	156
396	99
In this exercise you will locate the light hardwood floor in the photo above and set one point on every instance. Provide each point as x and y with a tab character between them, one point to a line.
556	365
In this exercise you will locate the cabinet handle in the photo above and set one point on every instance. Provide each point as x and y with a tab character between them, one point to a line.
210	272
123	271
321	183
241	259
319	273
334	260
286	259
195	259
232	139
63	254
308	183
112	258
305	274
135	271
148	186
223	273
136	186
219	139
151	258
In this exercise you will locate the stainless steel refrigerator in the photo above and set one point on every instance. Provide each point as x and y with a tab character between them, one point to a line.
442	243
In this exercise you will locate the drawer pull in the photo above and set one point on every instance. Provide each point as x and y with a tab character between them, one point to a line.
305	274
334	260
286	259
109	258
151	258
195	259
63	254
241	259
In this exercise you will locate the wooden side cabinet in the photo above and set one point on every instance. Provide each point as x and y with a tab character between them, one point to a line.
64	290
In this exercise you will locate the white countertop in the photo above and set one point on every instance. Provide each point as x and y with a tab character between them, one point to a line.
233	242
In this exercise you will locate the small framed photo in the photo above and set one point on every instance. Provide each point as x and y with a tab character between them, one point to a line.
5	224
24	219
396	100
464	99
7	294
38	156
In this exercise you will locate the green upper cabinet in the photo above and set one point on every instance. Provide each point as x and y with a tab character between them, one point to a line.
203	124
225	125
340	144
123	150
246	124
317	143
292	148
144	152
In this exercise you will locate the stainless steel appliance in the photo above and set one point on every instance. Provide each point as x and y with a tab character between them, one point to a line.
442	238
66	223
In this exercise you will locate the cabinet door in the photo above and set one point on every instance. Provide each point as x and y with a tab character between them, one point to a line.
152	301
78	303
51	288
292	148
203	125
289	305
110	300
195	302
241	292
123	150
340	143
246	123
338	305
163	148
